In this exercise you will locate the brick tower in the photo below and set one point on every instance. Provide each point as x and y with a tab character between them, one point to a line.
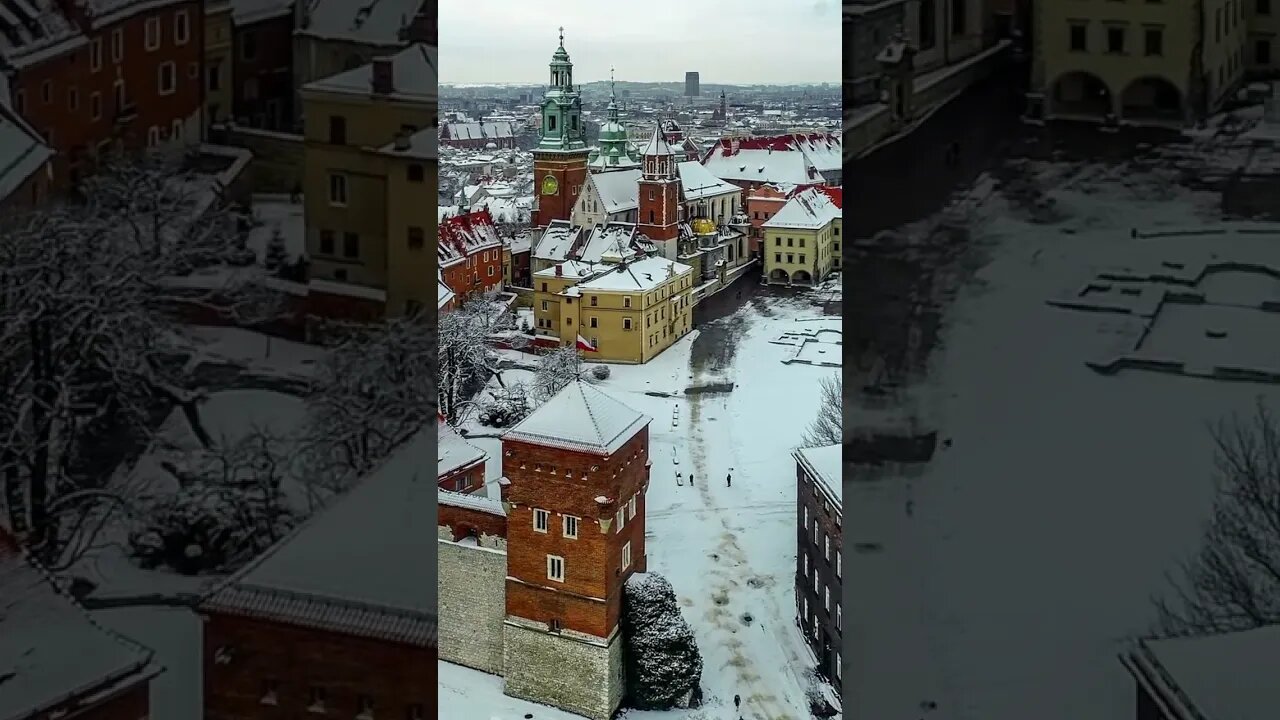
576	471
560	159
659	206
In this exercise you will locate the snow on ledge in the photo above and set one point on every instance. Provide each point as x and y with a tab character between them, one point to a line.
471	502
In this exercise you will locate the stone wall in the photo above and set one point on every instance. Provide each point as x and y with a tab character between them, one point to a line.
557	669
472	602
870	124
278	158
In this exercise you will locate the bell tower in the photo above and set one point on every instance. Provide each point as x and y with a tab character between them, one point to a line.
659	204
560	159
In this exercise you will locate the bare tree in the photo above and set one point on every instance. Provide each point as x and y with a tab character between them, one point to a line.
89	299
1233	582
467	358
556	369
373	392
827	427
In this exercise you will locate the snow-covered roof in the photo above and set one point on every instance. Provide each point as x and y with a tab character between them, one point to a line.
580	418
351	567
1226	676
824	150
109	12
414	75
570	269
244	12
610	242
372	22
455	453
462	236
640	276
444	294
826	466
35	30
52	653
619	191
482	503
476	130
657	144
422	145
697	182
22	152
787	159
808	210
557	240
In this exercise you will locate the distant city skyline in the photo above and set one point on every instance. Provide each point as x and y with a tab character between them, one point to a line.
742	42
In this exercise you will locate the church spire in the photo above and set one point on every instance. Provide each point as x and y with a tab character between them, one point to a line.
561	67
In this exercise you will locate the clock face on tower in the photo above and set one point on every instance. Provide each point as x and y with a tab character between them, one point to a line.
549	185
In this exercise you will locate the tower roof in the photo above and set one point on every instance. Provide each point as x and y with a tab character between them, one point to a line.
561	55
580	418
657	143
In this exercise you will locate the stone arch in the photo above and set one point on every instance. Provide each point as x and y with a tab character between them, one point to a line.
1080	94
779	276
802	277
1152	97
462	531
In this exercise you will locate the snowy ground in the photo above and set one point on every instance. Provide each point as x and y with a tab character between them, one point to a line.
1039	537
728	551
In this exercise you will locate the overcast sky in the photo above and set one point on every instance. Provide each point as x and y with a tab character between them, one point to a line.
736	42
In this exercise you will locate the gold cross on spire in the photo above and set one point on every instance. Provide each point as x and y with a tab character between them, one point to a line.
561	36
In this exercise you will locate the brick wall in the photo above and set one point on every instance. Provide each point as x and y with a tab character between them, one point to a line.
395	676
461	520
131	704
823	552
472	603
471	478
549	668
590	598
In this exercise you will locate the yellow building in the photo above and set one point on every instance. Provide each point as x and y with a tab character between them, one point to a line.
1140	62
217	62
628	312
803	240
371	179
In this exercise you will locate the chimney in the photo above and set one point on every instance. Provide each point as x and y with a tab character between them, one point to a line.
384	80
559	270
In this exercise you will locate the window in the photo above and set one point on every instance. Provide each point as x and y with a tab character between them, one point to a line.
95	54
555	568
817	585
621	519
806	564
337	130
594	322
215	77
270	692
777	257
958	18
816	532
839	623
365	705
1153	42
167	80
626	301
1262	52
337	189
417	238
152	33
316	700
248	46
414	173
117	45
631	508
838	562
491	272
570	526
1115	40
928	24
826	547
541	520
544	304
839	667
1079	38
181	28
594	299
802	259
626	555
95	106
350	245
73	99
326	242
46	92
826	598
626	323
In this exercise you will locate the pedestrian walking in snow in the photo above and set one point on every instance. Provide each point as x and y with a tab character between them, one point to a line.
728	480
690	479
737	702
679	479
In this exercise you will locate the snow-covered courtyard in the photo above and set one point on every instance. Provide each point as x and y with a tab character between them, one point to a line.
1041	533
730	552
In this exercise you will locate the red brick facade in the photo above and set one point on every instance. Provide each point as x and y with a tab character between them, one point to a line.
262	62
131	703
589	600
570	173
465	522
474	274
293	666
470	253
464	480
116	86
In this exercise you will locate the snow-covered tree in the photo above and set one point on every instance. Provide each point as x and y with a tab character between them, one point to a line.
229	506
467	357
372	392
1233	583
663	665
827	427
89	293
556	369
276	255
507	405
